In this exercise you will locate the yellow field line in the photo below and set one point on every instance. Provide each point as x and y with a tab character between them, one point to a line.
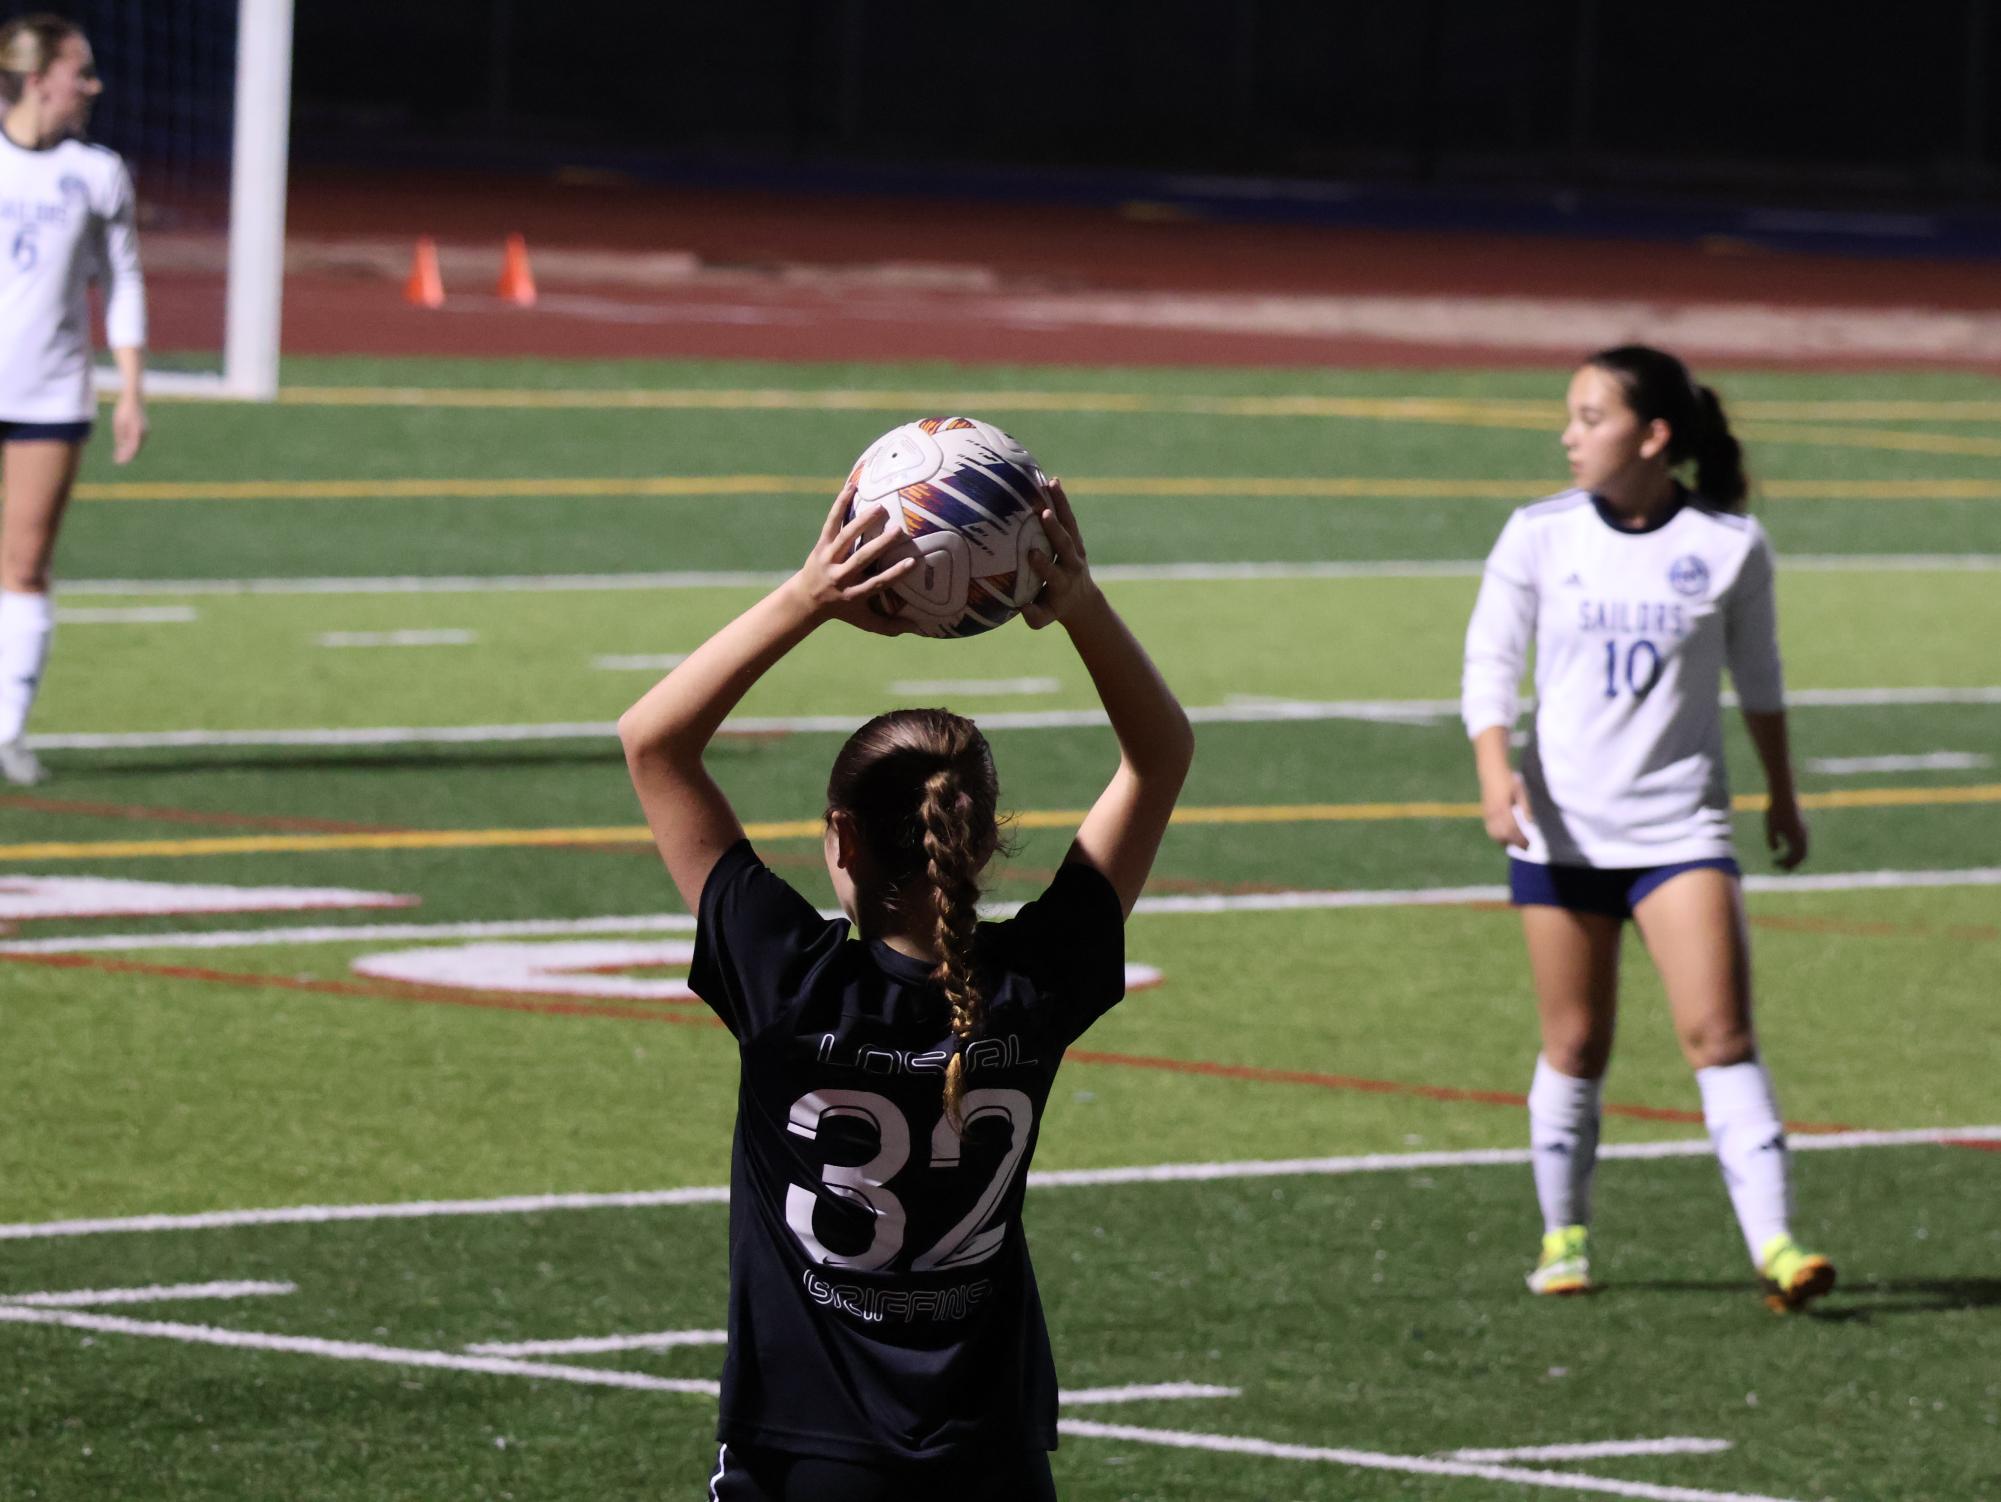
800	829
1873	438
1260	487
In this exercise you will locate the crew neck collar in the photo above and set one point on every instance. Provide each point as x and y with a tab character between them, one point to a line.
1668	513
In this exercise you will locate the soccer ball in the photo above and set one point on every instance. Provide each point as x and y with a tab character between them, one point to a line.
969	499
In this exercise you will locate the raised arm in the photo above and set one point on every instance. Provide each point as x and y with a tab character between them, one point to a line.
666	733
1121	834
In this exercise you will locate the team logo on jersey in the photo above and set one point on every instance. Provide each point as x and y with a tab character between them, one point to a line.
75	191
1689	576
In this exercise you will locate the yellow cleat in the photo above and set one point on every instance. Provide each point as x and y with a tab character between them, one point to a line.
1565	1264
1792	1278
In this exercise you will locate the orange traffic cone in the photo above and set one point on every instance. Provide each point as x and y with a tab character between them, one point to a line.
426	288
517	282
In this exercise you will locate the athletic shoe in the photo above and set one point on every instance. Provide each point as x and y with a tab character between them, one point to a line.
1565	1264
1792	1278
19	765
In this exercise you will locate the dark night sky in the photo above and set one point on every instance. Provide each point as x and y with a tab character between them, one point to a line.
1843	100
1872	97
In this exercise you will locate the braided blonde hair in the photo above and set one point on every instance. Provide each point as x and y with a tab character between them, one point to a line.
921	788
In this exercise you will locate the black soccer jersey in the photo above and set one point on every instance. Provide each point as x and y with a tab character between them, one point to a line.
882	1306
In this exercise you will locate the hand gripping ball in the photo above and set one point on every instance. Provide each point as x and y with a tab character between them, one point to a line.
969	500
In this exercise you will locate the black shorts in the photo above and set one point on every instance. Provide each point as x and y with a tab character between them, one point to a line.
46	432
1614	893
753	1474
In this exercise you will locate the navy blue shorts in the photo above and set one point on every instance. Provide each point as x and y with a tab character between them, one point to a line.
57	432
754	1474
1611	891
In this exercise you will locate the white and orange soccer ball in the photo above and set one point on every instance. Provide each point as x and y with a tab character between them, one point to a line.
969	499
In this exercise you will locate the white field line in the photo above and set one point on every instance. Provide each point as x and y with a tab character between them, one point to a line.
349	1350
1598	1449
656	662
1136	573
501	1366
992	686
1255	712
592	1345
411	1357
1930	761
1246	902
1249	902
1145	1392
446	637
1070	1178
158	1293
519	1204
1418	1465
362	933
133	615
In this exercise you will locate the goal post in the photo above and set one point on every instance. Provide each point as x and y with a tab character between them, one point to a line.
200	90
261	139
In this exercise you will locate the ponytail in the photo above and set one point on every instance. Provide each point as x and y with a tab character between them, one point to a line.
920	786
951	868
1719	458
1657	386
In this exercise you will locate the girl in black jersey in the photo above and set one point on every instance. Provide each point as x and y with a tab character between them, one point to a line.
886	1339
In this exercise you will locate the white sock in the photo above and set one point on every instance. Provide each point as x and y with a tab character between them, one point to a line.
1563	1142
26	623
1744	1123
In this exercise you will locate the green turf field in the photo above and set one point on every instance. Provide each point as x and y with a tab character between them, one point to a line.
342	643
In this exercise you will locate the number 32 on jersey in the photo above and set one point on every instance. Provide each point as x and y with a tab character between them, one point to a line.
969	1241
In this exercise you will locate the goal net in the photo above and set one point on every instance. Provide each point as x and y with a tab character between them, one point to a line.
197	100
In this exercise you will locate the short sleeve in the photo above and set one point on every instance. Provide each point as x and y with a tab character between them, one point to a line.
1071	943
758	944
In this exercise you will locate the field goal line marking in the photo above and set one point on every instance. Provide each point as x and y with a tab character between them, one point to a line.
1062	1178
1143	573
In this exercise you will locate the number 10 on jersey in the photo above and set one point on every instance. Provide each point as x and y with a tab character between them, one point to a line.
1637	673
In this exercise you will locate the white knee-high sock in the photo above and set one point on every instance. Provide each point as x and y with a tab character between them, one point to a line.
1563	1143
26	623
1744	1123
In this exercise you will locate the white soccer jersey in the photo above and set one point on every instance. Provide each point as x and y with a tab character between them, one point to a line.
66	218
1631	632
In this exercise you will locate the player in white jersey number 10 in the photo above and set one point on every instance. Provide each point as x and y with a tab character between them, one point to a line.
1635	592
66	220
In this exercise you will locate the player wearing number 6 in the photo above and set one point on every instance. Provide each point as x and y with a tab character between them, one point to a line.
66	219
886	1338
1635	592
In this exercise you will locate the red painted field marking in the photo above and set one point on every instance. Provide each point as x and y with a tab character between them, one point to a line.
148	813
1391	1087
569	1008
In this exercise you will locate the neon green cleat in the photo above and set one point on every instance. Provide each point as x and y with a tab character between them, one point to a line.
1565	1264
1792	1278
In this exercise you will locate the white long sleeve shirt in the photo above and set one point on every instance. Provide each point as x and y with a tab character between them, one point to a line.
66	219
1631	632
